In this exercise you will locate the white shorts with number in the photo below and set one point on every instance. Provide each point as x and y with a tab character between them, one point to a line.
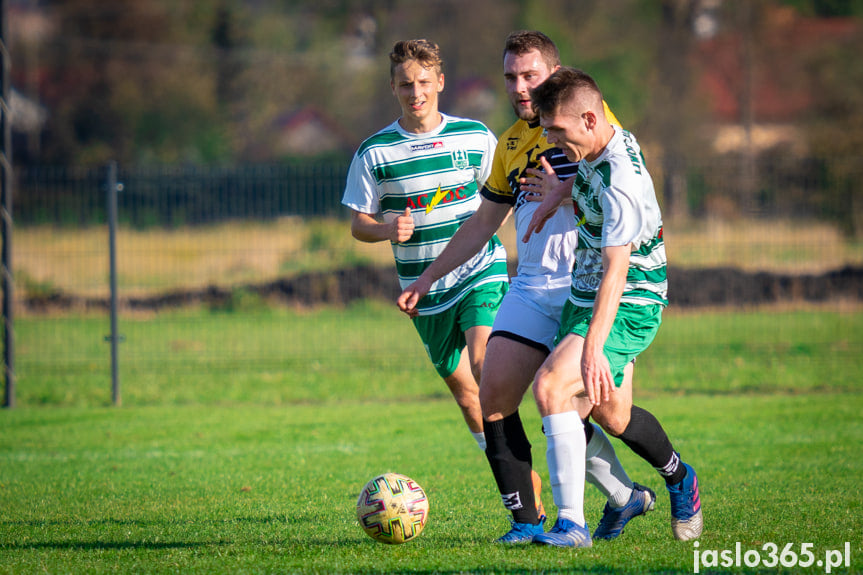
531	309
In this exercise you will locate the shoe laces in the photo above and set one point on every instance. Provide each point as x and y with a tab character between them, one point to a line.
682	500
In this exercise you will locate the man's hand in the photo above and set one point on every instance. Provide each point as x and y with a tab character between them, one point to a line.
596	375
402	227
545	187
539	183
411	296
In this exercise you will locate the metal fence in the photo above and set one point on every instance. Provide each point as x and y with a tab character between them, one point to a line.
175	196
69	201
171	196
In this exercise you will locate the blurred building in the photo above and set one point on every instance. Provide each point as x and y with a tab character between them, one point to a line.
755	80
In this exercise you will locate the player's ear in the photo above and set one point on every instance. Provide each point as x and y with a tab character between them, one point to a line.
440	83
590	120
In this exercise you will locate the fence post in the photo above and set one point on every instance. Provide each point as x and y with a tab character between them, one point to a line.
113	187
6	215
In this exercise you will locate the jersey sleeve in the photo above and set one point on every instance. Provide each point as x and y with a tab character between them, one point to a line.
622	221
487	159
497	187
361	190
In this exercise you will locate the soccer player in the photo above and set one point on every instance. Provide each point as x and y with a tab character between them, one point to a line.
528	319
614	310
412	184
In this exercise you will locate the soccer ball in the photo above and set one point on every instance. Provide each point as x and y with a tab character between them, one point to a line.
392	508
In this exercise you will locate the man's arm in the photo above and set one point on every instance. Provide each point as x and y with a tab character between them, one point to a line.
595	370
366	228
550	191
473	234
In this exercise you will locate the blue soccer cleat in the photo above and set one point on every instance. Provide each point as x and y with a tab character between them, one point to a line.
614	519
521	532
565	533
686	519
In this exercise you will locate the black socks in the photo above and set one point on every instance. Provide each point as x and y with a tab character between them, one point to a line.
644	435
508	453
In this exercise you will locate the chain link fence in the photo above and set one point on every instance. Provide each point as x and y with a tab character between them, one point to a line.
170	196
222	238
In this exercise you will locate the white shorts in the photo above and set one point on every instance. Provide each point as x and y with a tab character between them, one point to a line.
530	314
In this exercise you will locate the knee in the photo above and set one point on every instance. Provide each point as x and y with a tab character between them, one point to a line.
613	421
476	370
467	398
465	393
496	400
488	394
544	392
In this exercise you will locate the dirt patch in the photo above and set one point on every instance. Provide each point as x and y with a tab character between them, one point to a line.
688	288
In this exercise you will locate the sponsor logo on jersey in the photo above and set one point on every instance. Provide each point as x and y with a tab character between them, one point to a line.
511	143
426	146
438	196
430	201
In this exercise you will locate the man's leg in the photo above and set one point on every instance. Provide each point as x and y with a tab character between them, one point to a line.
558	388
639	430
465	390
604	470
507	373
477	345
626	500
644	435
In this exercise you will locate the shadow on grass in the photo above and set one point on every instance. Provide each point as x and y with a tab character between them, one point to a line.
104	545
493	570
119	545
141	523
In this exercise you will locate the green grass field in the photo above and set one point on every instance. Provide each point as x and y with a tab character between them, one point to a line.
245	438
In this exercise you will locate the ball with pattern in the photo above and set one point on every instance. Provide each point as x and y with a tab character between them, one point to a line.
392	508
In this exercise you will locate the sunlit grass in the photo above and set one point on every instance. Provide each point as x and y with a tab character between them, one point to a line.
156	260
762	245
235	253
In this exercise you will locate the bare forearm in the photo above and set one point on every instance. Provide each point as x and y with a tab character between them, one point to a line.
608	297
366	228
370	231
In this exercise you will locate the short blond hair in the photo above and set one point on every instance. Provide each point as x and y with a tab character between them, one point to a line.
423	51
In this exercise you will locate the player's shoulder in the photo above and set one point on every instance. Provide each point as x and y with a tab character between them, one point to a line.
384	137
624	145
624	161
520	136
521	130
457	124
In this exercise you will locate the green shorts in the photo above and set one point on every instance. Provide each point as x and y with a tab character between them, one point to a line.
633	330
443	333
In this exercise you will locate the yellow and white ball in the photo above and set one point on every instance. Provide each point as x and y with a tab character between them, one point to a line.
392	508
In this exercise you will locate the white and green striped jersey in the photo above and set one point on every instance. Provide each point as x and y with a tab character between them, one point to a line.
438	175
615	204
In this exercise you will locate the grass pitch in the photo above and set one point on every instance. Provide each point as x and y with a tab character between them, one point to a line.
272	489
215	465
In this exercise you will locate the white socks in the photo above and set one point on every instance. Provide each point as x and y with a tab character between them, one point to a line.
605	471
565	453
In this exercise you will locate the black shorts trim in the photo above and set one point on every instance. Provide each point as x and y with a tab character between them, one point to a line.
520	339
